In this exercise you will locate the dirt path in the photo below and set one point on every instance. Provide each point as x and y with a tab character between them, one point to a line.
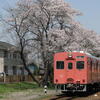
38	94
27	95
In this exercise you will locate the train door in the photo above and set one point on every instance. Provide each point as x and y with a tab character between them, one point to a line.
70	68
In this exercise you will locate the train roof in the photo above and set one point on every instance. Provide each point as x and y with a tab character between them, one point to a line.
98	58
82	52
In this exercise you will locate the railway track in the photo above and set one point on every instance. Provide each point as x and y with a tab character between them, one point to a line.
61	97
75	97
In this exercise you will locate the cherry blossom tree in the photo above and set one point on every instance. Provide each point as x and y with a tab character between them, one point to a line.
49	26
45	16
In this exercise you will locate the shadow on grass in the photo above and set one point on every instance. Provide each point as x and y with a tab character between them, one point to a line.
1	97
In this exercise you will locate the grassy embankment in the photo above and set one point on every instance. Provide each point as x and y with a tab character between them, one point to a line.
14	87
18	87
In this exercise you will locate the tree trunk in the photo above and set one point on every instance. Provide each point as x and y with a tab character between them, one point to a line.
27	69
46	74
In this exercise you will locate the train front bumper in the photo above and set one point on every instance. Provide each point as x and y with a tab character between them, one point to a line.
73	87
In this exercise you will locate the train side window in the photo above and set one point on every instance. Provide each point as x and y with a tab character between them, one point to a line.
60	65
80	64
70	65
91	65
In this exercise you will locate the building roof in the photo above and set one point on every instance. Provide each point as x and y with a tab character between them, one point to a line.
7	46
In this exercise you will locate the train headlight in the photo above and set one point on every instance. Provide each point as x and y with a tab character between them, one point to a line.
70	54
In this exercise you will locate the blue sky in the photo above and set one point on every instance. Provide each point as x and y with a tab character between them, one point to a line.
89	8
91	13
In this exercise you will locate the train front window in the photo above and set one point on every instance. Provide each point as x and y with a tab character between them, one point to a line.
70	65
60	65
80	64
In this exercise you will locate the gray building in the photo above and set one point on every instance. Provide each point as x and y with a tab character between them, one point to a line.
10	62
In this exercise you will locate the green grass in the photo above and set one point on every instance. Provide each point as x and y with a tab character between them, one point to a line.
13	87
1	97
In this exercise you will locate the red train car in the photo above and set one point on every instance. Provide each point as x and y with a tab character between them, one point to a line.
76	71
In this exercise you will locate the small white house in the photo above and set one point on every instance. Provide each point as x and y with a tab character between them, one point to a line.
10	62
